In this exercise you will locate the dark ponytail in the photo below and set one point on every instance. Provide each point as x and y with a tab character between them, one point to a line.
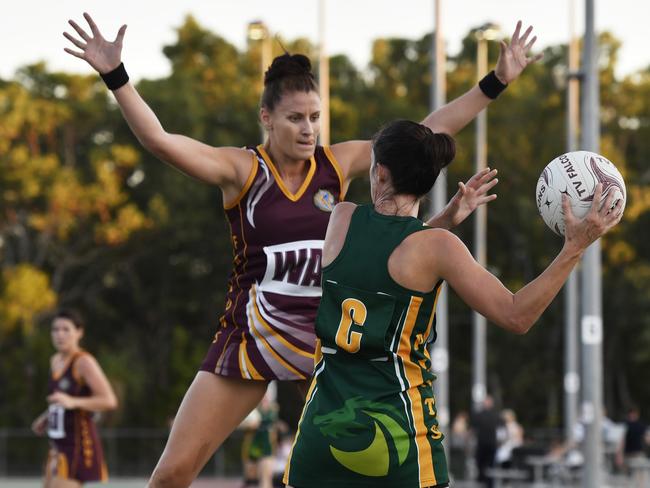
413	154
287	73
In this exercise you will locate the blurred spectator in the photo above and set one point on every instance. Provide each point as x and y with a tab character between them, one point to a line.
485	424
459	445
512	436
633	444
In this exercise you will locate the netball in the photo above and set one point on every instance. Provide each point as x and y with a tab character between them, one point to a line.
294	244
576	175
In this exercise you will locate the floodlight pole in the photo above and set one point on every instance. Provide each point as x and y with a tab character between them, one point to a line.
440	350
258	31
591	320
479	324
323	77
571	303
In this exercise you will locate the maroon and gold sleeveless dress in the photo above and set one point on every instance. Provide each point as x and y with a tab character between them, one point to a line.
267	329
75	449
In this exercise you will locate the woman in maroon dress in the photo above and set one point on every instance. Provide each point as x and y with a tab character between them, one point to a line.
277	197
77	388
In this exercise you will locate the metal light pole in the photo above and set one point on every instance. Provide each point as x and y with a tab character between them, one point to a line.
479	387
440	350
258	31
571	304
323	77
591	321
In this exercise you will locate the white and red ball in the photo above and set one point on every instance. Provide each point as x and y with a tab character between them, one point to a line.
575	174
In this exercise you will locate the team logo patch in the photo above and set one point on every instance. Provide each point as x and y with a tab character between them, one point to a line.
64	384
324	200
374	459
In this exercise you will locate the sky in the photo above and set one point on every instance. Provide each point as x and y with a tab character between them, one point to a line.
31	30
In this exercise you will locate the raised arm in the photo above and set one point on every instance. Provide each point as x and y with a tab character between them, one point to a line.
518	312
225	167
513	59
354	156
469	196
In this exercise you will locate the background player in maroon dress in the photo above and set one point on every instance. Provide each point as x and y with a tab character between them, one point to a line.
77	388
277	198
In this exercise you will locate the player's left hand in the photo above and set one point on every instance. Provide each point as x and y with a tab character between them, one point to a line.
60	398
513	57
472	194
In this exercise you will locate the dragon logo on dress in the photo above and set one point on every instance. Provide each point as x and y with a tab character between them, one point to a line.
373	460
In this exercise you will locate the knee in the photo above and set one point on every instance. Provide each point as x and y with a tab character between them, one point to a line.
171	475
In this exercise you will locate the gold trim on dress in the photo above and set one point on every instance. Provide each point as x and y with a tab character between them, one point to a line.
337	168
294	197
247	185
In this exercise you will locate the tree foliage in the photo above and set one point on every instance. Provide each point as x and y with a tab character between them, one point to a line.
89	219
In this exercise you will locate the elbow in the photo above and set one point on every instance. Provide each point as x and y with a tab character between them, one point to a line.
519	324
154	143
111	403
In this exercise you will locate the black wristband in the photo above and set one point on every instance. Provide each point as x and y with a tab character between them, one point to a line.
116	78
491	86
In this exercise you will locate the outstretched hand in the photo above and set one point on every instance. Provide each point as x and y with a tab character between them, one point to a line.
513	57
602	216
472	194
102	55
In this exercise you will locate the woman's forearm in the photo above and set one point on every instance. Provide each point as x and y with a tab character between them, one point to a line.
141	119
529	303
96	403
451	118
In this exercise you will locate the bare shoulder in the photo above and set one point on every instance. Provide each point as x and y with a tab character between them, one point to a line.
337	229
343	210
435	247
86	362
340	218
438	237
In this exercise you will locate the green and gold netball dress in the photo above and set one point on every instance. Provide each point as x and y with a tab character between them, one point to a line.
370	416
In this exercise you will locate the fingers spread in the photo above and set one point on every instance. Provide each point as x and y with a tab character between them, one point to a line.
73	40
529	46
489	185
74	53
488	198
120	35
515	35
92	25
490	174
598	197
608	205
534	59
526	34
80	31
566	208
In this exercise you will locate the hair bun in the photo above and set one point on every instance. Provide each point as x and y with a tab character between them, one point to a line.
442	147
288	65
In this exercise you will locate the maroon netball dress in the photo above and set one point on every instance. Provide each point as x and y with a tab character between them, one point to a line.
75	450
267	329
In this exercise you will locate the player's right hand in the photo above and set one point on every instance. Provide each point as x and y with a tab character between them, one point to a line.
600	219
102	55
39	425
